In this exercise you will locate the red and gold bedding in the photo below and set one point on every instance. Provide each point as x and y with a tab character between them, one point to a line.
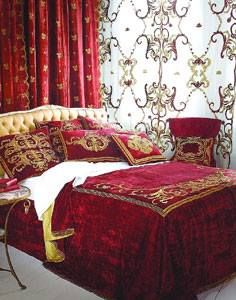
151	232
137	237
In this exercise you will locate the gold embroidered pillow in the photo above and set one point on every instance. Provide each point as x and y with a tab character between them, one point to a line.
195	150
54	126
89	145
27	154
137	148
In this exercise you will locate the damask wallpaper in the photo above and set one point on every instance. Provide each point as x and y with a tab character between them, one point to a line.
169	58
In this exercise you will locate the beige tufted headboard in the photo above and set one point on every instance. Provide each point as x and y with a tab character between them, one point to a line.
23	121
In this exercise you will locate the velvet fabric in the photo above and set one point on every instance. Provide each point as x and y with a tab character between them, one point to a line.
137	148
200	127
49	54
198	151
126	248
14	93
89	145
194	150
123	250
53	127
90	124
27	154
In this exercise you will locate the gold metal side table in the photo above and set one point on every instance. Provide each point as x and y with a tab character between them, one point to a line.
12	198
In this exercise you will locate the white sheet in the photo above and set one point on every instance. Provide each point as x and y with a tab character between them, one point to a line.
45	188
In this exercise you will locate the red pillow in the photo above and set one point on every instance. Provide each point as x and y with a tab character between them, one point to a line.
54	126
194	150
89	145
137	148
90	124
190	149
27	154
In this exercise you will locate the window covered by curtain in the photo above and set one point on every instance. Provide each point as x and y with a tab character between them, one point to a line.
169	58
48	53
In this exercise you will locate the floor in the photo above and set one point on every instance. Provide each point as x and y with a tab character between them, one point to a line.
42	284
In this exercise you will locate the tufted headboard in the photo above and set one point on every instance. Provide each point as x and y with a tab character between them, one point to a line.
23	121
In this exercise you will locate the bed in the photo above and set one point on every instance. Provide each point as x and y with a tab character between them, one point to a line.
161	230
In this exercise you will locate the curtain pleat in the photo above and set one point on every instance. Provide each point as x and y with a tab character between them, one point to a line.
91	62
49	53
76	54
14	79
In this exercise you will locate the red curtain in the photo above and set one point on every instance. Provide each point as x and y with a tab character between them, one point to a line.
13	70
49	53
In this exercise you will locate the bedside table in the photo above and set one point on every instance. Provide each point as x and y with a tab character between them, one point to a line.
12	198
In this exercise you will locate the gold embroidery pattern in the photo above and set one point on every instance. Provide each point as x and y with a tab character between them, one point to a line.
203	155
166	193
67	125
70	125
90	142
166	198
130	156
138	143
28	149
56	142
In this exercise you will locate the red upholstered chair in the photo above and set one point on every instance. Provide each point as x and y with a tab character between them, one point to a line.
194	139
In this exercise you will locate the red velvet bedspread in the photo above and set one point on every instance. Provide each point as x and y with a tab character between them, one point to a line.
153	232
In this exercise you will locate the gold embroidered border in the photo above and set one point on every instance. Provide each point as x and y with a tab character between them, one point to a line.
153	206
165	193
119	197
90	159
204	150
136	161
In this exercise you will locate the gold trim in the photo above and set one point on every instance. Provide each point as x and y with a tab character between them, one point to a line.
119	197
89	159
190	199
163	212
202	156
129	156
63	144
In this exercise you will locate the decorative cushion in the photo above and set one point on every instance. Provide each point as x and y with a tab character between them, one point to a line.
63	125
137	148
89	145
27	154
195	150
203	129
54	126
90	124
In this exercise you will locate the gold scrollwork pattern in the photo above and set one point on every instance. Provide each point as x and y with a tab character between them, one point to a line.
164	194
202	150
166	198
28	149
90	142
139	143
162	59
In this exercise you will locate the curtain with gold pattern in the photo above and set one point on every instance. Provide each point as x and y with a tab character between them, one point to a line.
170	58
48	53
